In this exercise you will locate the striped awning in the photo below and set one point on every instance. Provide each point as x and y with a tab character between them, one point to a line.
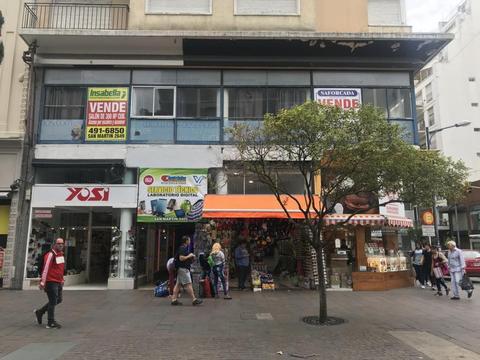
372	220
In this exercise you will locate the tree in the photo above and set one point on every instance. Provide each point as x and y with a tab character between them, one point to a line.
355	152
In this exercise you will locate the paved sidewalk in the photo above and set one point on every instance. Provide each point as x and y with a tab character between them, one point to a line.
135	325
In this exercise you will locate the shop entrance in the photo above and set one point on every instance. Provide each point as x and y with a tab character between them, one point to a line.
156	244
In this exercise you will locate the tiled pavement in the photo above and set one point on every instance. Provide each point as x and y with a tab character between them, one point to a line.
135	325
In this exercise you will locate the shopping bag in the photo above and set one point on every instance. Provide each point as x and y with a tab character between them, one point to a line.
466	283
445	270
161	290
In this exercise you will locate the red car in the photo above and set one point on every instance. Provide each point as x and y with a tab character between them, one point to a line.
472	260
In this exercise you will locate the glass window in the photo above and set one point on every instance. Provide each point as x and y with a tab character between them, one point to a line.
377	98
62	103
178	6
246	103
431	116
164	102
291	182
285	98
406	126
155	131
254	186
429	92
475	218
198	103
235	182
262	7
198	130
153	102
142	99
399	103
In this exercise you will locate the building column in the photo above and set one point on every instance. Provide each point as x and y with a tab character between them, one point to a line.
221	179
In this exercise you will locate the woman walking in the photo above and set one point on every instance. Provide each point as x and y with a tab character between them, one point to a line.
417	261
218	258
439	263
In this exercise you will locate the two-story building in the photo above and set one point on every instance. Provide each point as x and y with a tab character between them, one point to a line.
134	97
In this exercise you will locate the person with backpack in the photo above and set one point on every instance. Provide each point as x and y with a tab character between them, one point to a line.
439	268
183	261
218	258
52	283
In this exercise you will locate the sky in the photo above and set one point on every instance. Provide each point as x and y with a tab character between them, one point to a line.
424	15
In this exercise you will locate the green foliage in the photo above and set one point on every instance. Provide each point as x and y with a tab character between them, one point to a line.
354	151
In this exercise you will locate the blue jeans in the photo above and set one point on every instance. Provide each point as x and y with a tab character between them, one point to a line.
218	273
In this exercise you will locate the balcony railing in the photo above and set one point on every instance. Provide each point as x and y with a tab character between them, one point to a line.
63	16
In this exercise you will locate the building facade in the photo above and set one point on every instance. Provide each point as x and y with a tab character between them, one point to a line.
448	93
13	98
124	90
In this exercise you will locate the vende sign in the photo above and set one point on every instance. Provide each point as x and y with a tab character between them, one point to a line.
88	194
117	196
346	99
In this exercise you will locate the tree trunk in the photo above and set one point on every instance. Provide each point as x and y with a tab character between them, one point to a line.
322	289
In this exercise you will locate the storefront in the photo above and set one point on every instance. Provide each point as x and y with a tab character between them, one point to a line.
365	253
97	224
4	220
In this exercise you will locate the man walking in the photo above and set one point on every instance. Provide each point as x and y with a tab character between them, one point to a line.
183	260
456	264
52	283
242	260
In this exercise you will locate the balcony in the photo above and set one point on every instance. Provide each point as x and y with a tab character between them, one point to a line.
69	16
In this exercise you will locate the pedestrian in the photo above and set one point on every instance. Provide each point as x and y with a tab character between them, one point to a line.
456	264
439	261
427	266
242	261
183	261
218	258
171	275
417	261
52	283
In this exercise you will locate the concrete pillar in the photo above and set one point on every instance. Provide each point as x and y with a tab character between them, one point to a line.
221	179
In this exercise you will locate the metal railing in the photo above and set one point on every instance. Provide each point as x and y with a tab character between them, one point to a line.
74	16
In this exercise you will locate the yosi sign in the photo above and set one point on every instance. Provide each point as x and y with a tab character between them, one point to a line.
88	194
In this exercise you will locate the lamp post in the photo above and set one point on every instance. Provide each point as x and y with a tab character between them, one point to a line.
428	137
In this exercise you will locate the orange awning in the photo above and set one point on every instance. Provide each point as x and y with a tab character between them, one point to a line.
253	207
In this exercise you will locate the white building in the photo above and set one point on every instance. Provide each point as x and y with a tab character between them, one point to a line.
448	90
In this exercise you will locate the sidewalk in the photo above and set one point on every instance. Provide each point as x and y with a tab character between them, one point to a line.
135	325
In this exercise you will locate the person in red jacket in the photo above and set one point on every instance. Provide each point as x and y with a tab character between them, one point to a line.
52	283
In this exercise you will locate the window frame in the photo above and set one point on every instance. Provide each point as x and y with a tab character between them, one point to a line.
153	116
150	12
237	13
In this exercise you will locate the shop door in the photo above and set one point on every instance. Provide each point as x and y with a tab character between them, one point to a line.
100	254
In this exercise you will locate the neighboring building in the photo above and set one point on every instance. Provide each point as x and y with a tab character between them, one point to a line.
161	82
13	92
448	93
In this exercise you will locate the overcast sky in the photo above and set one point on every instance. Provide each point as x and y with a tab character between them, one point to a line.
424	15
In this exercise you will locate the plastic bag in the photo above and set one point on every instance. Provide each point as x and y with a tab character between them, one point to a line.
466	283
161	290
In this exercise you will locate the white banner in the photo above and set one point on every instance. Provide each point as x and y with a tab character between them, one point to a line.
392	209
345	98
90	195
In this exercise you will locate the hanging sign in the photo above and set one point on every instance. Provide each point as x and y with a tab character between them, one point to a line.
171	195
107	110
345	98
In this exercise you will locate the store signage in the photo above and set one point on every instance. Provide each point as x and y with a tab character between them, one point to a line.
345	98
49	196
427	217
88	194
107	111
171	195
42	214
428	230
392	209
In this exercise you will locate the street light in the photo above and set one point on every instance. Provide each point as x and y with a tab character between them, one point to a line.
428	134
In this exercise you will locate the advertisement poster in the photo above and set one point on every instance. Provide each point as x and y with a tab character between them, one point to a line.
171	195
344	98
107	110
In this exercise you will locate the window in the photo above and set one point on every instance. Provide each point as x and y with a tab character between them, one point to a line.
241	182
385	12
63	114
246	103
429	92
267	7
198	103
285	98
399	103
153	102
377	98
431	116
178	7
